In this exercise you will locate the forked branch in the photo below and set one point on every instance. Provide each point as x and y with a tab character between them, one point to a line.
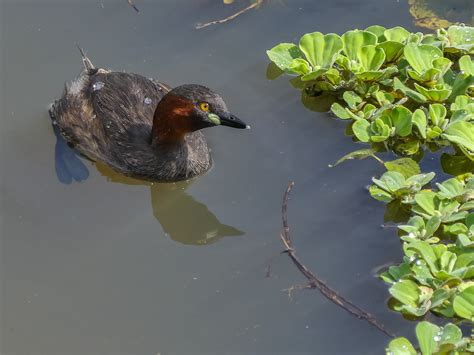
314	281
231	17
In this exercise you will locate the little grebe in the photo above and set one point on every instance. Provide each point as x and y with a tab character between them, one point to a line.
140	127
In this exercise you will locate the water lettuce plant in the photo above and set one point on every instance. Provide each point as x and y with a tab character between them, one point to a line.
406	93
400	91
433	339
437	272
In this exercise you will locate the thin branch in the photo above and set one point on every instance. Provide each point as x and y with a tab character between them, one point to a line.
293	288
314	281
231	17
130	2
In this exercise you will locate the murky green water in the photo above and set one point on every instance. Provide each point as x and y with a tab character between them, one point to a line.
110	266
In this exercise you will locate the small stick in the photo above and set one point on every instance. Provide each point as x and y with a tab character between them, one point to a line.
130	2
314	281
231	17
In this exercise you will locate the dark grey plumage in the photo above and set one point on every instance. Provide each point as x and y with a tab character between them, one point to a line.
108	117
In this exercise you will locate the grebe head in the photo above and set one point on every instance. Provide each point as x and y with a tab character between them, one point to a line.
188	108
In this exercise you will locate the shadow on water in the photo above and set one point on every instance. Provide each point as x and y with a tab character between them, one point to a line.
182	218
320	102
67	163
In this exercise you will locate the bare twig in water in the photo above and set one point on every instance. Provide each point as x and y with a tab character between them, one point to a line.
231	17
314	282
130	2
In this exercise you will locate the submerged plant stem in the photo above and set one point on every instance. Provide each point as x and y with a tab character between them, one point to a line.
314	281
231	17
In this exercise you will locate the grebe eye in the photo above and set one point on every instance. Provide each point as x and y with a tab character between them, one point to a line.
204	106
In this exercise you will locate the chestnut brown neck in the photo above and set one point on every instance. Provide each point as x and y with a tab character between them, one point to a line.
171	121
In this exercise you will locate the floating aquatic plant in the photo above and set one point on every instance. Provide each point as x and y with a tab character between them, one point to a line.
400	91
433	339
407	92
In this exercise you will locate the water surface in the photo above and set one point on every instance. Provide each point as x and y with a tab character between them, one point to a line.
112	266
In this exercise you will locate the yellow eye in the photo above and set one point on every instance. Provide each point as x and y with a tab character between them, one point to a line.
204	106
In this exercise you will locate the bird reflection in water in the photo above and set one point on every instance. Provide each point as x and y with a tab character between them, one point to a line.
182	218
